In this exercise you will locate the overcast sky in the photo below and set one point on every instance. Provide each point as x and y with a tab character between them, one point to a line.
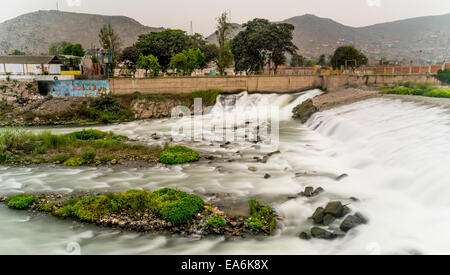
179	13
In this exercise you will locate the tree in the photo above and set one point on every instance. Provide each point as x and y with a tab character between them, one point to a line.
260	43
74	49
211	52
150	64
322	60
223	33
178	62
297	60
129	58
110	40
57	48
187	61
348	56
164	45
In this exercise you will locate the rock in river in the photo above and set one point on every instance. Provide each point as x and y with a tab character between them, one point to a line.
352	221
328	219
335	209
318	215
304	236
320	233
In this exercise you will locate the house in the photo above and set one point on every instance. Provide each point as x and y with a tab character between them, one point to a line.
30	65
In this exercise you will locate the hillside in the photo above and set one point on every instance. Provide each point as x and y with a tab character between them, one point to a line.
425	38
34	32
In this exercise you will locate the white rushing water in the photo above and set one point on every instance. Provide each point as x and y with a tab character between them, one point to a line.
394	151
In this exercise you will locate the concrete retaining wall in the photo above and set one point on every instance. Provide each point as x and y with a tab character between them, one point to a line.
261	84
227	84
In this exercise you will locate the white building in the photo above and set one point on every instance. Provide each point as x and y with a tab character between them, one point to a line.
30	65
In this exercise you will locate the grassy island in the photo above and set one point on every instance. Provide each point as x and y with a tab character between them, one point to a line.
86	147
138	210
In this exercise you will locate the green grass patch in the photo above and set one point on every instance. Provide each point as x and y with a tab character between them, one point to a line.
20	201
261	216
217	220
178	155
79	148
104	109
413	88
171	205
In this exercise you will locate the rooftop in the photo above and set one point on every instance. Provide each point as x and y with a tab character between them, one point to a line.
29	59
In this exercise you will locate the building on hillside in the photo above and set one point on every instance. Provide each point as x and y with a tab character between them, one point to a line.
30	65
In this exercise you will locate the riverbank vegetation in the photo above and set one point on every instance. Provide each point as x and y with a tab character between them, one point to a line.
444	76
208	97
166	209
103	109
178	155
87	147
420	89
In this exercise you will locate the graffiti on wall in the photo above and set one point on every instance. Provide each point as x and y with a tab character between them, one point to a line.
62	88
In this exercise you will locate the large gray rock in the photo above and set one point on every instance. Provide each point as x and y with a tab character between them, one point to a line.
320	233
304	111
328	219
352	221
318	215
335	209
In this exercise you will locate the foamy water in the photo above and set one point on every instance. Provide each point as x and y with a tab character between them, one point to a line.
394	151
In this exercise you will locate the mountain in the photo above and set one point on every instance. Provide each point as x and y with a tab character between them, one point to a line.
426	38
34	32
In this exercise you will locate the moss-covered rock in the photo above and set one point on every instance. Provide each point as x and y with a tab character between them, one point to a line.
304	111
178	155
20	201
262	217
217	220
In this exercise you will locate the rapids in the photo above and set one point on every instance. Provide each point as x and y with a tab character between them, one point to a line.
395	151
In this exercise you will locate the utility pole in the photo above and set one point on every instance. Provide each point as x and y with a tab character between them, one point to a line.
192	28
57	5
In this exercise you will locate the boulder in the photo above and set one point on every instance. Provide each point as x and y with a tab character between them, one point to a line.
308	191
319	233
252	169
335	209
318	215
304	111
304	236
352	221
267	176
341	177
328	219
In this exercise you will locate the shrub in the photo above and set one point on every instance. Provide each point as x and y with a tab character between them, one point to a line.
88	157
20	201
14	142
181	211
178	155
74	162
89	134
438	93
172	205
217	220
261	216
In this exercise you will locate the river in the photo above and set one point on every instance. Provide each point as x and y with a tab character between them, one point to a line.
394	150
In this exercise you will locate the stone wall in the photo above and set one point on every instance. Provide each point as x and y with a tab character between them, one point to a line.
174	85
19	93
334	82
260	84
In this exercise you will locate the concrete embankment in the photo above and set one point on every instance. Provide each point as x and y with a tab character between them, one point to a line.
259	84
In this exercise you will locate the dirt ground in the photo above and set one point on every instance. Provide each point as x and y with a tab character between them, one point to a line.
344	96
